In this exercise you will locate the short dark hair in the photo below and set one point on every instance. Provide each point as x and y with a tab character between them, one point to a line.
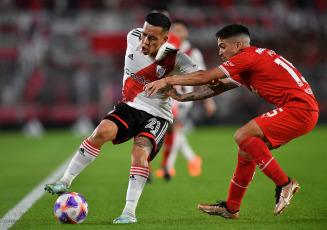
180	21
232	30
158	19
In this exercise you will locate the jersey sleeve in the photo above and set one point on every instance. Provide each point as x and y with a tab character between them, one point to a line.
197	57
237	64
134	35
185	63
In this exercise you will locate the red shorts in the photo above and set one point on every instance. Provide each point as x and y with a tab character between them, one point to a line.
284	124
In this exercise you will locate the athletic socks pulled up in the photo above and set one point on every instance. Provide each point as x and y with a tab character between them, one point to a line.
241	179
168	144
259	151
86	154
137	179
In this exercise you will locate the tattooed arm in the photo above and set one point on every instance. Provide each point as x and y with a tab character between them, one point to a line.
204	92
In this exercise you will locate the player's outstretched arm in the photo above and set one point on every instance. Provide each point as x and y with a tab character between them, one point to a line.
195	78
204	92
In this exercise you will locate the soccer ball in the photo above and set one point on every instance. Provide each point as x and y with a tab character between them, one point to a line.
71	208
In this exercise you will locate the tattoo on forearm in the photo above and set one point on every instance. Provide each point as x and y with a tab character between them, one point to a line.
144	143
207	91
203	93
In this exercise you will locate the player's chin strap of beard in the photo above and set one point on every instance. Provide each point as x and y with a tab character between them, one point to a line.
161	52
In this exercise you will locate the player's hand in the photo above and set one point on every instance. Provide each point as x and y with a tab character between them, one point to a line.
214	83
172	92
153	87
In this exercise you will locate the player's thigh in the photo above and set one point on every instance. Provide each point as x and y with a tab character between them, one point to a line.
284	124
125	118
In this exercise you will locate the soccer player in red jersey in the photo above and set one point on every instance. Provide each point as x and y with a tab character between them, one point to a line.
273	78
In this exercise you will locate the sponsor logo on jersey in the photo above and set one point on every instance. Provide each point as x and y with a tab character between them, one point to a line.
161	71
140	79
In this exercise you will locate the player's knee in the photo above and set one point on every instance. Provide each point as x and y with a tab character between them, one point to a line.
139	156
104	133
239	136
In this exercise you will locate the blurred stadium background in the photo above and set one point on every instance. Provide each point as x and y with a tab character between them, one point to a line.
61	61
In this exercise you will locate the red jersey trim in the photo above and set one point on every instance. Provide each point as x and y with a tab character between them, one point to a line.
118	119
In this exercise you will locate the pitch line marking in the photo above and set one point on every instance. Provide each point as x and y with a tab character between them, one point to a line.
27	202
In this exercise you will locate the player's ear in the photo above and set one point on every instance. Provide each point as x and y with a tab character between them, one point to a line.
166	38
239	45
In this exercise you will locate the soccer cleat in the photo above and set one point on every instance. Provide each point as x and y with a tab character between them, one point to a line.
125	218
284	194
219	209
163	172
194	166
159	173
59	188
172	172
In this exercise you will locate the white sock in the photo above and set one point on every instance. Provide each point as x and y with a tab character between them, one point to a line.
137	179
173	152
83	157
186	149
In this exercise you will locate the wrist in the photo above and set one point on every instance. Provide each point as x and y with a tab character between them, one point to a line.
166	80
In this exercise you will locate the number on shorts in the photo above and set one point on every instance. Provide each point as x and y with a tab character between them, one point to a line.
151	125
272	113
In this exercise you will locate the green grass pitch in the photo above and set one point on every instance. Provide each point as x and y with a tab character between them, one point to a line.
25	162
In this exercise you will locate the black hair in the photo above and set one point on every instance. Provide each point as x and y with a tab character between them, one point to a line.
158	19
232	30
180	21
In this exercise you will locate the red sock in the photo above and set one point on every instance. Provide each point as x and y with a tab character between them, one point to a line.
259	151
241	179
168	144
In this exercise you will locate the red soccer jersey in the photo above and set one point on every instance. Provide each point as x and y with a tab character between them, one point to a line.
271	77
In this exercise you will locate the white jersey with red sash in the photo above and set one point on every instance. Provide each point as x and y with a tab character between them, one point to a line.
141	69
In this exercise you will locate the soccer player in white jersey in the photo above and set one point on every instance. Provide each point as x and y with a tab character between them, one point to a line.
148	58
